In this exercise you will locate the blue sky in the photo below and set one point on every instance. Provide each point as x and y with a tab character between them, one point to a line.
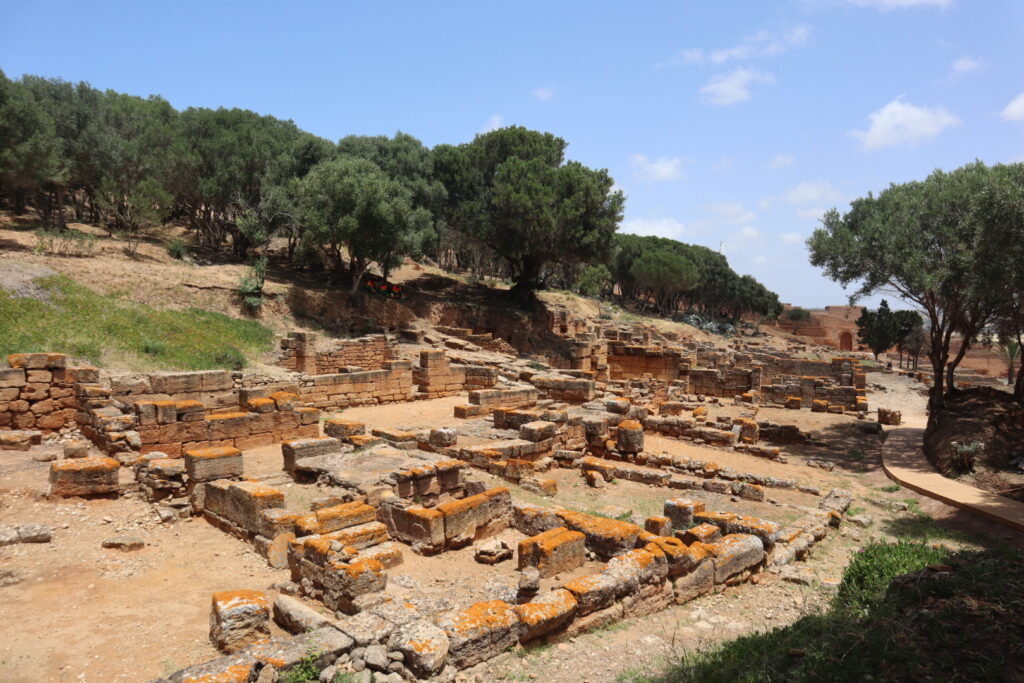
731	124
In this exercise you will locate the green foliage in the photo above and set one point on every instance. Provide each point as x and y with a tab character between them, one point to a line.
77	321
594	280
250	287
964	454
177	249
951	244
797	314
305	671
65	242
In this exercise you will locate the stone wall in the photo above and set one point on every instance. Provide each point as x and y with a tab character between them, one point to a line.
628	361
304	352
391	384
37	391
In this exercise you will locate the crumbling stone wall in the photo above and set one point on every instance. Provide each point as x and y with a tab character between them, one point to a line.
391	384
304	352
37	391
627	361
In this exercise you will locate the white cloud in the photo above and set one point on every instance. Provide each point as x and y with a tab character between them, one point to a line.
812	212
661	169
759	259
887	5
544	94
963	66
749	232
1014	111
782	161
761	44
791	238
662	227
493	123
812	192
730	213
730	88
902	124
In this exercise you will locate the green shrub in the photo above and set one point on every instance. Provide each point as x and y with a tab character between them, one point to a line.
964	454
798	314
65	243
177	249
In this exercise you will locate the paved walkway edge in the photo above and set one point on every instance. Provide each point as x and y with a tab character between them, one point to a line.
904	462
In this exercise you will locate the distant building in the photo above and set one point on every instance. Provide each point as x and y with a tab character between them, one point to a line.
832	326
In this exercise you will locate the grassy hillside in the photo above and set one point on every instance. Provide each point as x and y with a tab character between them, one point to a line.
75	320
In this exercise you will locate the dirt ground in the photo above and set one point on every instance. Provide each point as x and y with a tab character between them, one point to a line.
79	612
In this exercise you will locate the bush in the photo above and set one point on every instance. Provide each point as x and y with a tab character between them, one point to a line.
65	243
963	455
177	249
798	315
250	287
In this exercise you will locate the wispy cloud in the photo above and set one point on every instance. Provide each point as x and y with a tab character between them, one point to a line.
544	94
494	123
901	124
812	198
725	164
782	161
733	87
791	238
761	44
1014	111
658	170
963	66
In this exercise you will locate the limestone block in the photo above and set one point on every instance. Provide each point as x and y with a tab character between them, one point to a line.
294	449
480	632
19	440
319	647
342	429
889	417
629	437
593	592
238	618
84	476
658	525
553	552
326	520
207	464
604	537
702	533
699	581
424	647
546	614
295	616
735	553
537	431
681	511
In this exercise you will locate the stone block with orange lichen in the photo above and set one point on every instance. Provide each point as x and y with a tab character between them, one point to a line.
285	400
658	525
316	649
351	579
241	503
480	632
207	464
678	555
84	476
326	520
637	567
681	511
238	618
229	425
546	614
261	405
629	437
819	406
593	592
702	533
793	402
735	553
424	647
365	440
239	667
604	537
553	552
343	429
422	528
360	536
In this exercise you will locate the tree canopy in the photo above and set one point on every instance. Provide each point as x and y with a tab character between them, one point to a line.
950	244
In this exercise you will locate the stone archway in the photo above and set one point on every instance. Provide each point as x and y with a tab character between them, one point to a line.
845	341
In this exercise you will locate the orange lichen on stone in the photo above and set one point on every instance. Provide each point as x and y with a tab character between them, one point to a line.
227	599
187	406
236	673
261	405
546	614
484	616
226	416
95	463
213	453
